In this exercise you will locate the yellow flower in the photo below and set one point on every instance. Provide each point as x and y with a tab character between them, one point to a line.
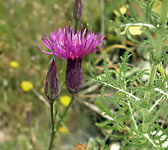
63	130
156	7
135	30
122	10
26	85
42	90
14	64
65	100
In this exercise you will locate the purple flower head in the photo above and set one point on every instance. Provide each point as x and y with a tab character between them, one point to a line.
72	46
52	85
74	75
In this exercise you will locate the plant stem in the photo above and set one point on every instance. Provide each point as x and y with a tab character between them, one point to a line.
132	116
76	25
102	17
159	41
64	114
152	75
157	56
54	130
52	124
164	12
132	9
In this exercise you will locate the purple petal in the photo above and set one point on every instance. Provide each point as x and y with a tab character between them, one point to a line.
53	36
50	53
46	43
69	45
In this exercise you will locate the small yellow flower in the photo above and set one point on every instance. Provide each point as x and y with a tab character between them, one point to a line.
26	85
135	30
65	100
156	7
14	64
123	10
42	90
63	130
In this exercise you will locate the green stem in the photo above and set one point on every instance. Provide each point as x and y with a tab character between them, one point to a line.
52	124
164	12
64	114
152	75
76	26
157	56
59	122
132	9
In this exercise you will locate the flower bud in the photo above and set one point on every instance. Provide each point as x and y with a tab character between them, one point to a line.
74	75
52	85
78	10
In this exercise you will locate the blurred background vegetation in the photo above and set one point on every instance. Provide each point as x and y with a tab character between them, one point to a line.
24	115
24	118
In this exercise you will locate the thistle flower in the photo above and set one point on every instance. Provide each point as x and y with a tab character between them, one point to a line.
52	85
73	47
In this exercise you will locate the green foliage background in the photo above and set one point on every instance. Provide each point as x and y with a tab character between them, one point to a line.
23	23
